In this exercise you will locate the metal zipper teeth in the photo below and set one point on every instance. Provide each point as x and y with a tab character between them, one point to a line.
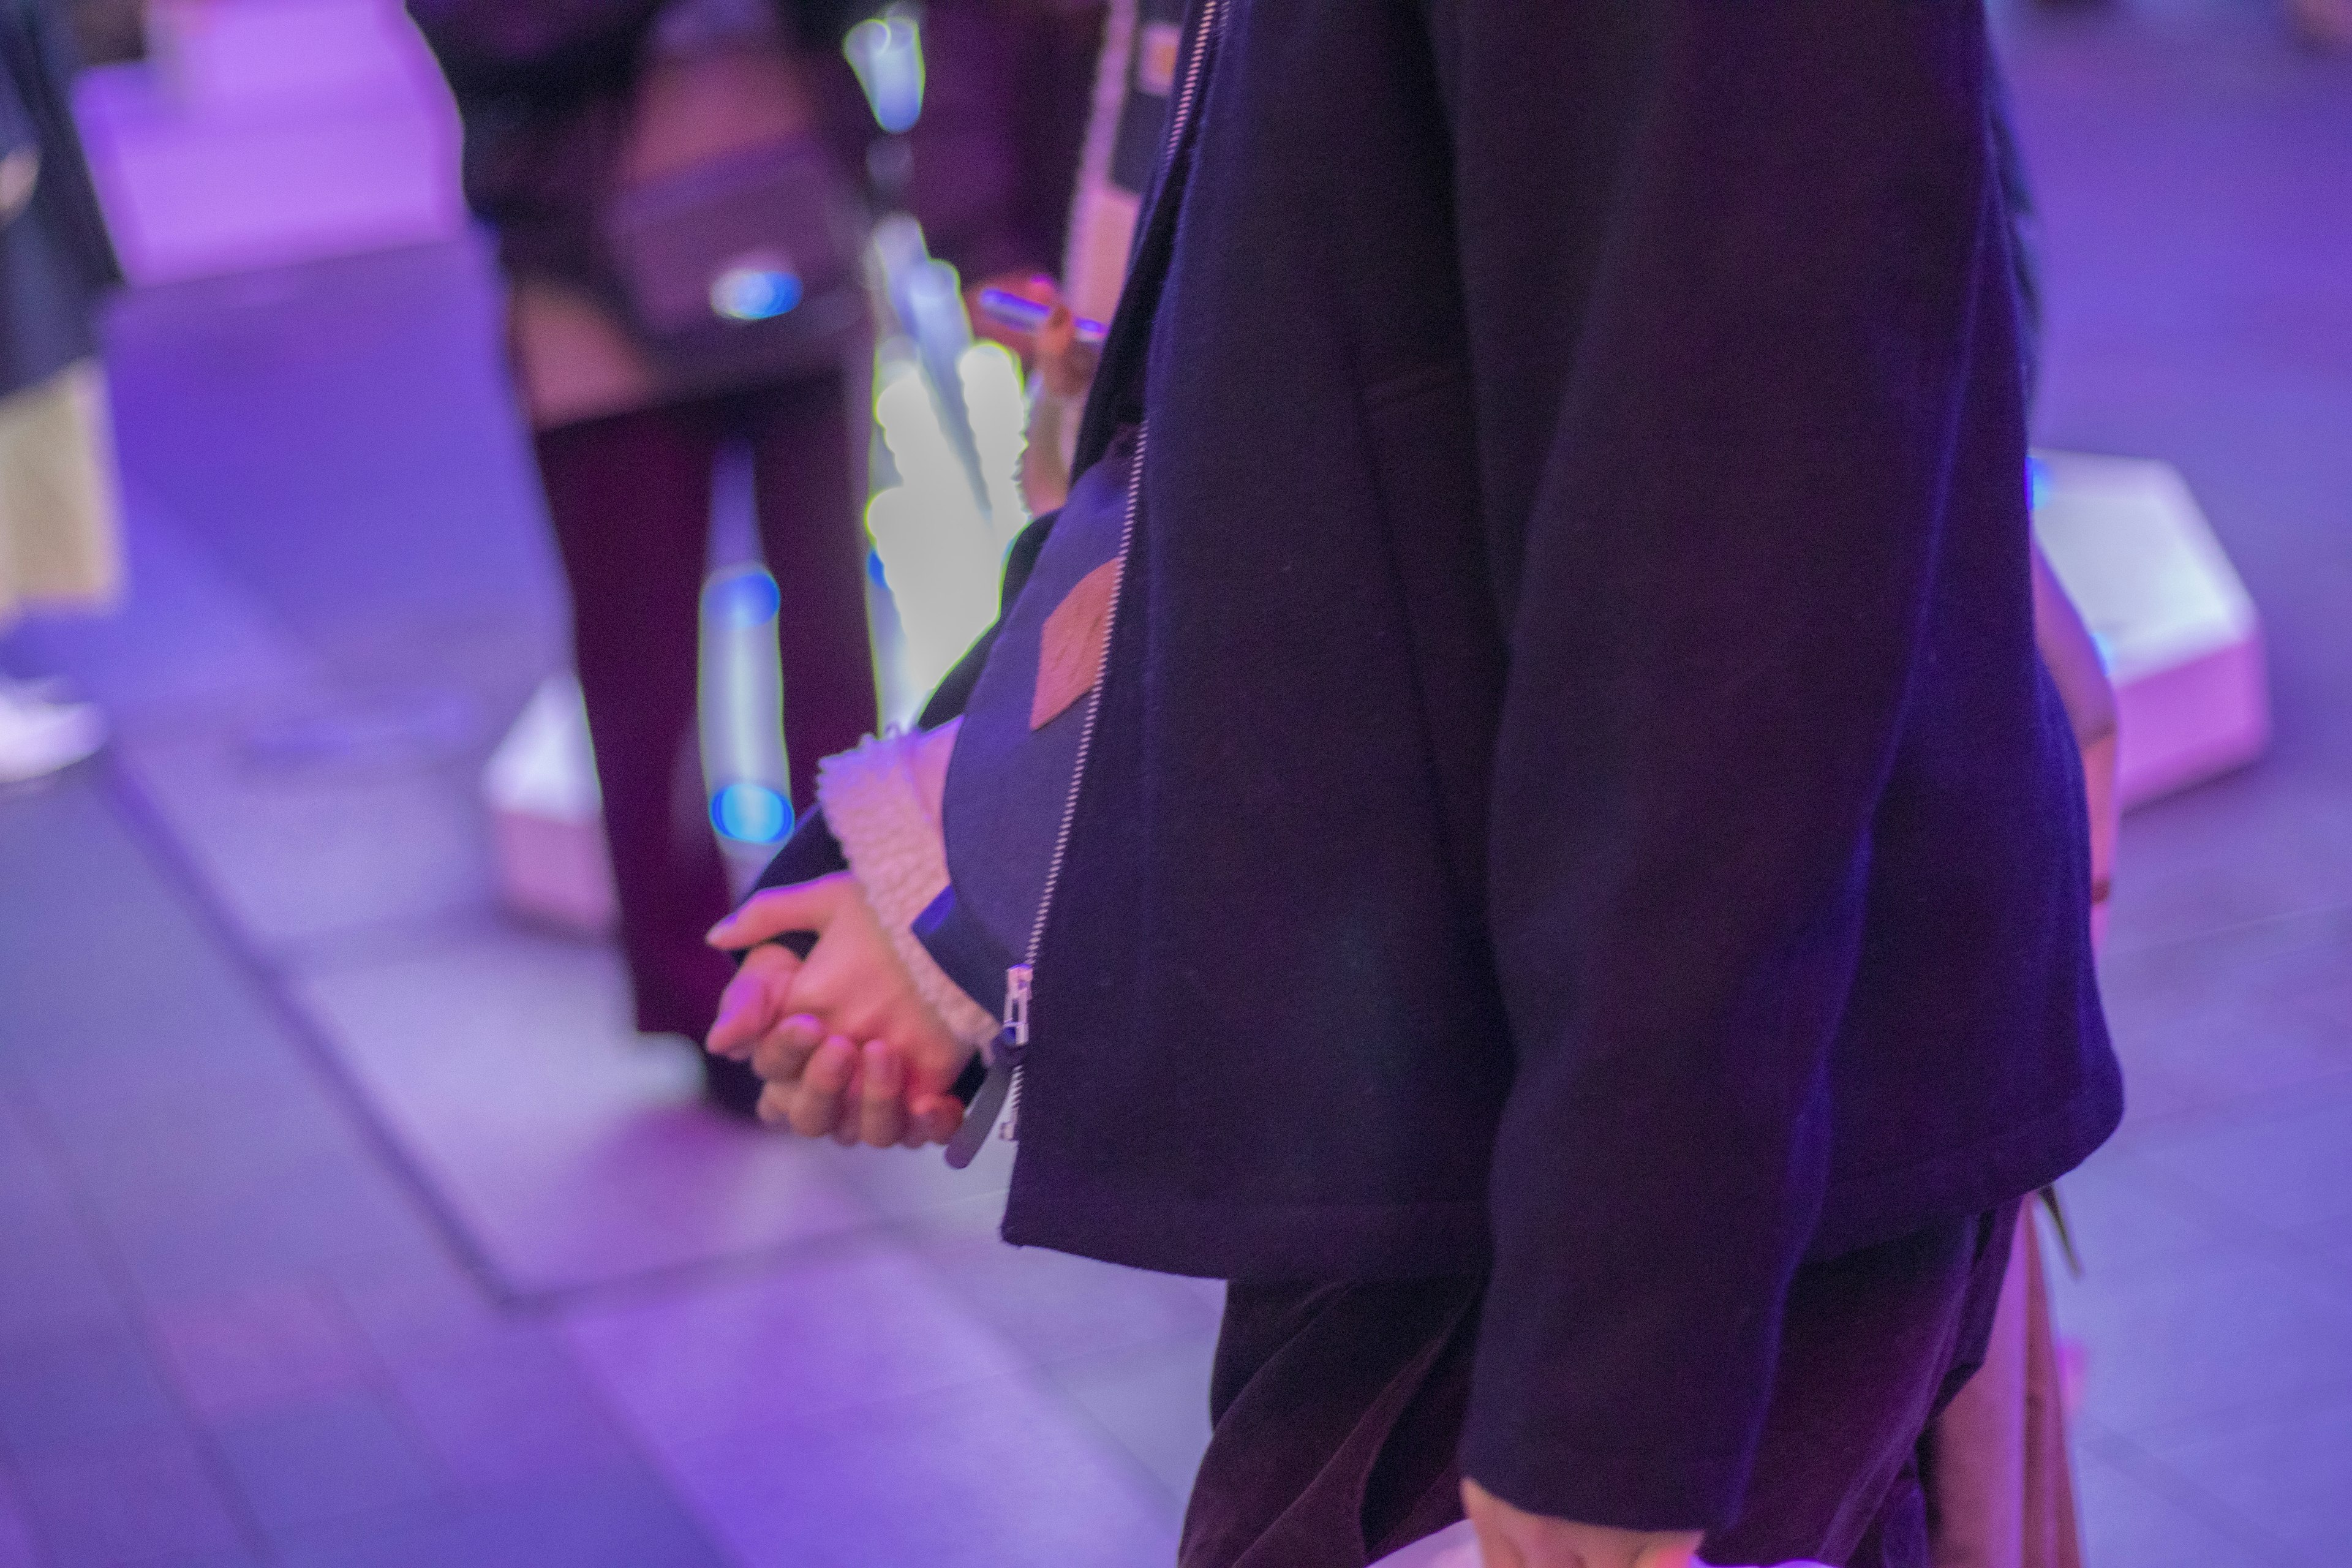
1180	119
1094	704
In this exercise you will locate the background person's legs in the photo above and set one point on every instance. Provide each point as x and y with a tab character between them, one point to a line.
808	464
629	497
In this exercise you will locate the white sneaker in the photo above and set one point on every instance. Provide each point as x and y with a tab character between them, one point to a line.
38	736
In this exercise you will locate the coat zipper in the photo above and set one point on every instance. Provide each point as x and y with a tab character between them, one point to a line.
1013	1042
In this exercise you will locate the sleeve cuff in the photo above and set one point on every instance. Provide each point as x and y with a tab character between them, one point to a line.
882	801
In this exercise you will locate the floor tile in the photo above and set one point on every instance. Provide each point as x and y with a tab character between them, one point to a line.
831	1332
101	958
990	1474
296	852
75	1389
2288	1471
2299	959
573	1152
2237	853
55	1282
258	1350
347	1452
15	1530
1153	1400
214	659
2251	1012
1055	1306
355	456
121	1507
2231	1331
601	1518
221	1228
2129	1522
30	1182
56	1279
409	1304
2323	1253
2290	1168
2125	1219
499	1410
919	1183
247	1092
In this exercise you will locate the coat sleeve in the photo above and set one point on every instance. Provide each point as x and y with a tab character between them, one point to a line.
1734	278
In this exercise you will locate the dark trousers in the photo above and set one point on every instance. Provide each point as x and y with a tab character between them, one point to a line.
1337	1409
630	500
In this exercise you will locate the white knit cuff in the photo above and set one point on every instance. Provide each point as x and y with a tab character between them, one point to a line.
889	829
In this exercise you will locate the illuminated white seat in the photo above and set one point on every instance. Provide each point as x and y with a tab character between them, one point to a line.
2173	622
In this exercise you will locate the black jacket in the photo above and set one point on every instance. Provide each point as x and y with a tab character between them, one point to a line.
1575	791
55	260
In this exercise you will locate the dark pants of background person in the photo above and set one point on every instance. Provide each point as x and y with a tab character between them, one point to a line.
1337	1409
629	496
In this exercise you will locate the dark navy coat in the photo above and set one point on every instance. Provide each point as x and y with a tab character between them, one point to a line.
56	262
1575	793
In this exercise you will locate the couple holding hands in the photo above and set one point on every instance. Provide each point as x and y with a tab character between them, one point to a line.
1514	816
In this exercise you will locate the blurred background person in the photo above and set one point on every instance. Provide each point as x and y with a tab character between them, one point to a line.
605	142
2323	26
59	530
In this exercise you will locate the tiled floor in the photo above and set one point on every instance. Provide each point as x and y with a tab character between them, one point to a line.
341	1224
2197	190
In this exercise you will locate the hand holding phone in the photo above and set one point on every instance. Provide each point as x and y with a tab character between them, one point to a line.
1029	316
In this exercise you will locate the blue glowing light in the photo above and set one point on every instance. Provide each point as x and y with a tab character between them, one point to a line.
887	54
748	599
754	293
752	813
2037	482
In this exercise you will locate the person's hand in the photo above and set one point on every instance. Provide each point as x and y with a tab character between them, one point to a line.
1066	365
1510	1537
1035	286
813	1089
801	1023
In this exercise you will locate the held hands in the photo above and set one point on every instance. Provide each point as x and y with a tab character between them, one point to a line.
845	1044
1512	1538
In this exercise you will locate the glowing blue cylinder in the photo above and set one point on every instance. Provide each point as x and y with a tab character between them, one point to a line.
742	716
887	54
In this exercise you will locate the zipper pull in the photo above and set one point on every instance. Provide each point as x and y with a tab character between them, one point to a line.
1014	1036
1012	1044
981	1118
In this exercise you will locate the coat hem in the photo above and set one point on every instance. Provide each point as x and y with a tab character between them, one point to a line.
1214	1240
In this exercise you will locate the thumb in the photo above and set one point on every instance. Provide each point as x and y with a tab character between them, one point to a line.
750	1005
769	914
1674	1552
1495	1548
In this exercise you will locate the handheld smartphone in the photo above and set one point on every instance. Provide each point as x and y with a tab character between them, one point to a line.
1007	309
